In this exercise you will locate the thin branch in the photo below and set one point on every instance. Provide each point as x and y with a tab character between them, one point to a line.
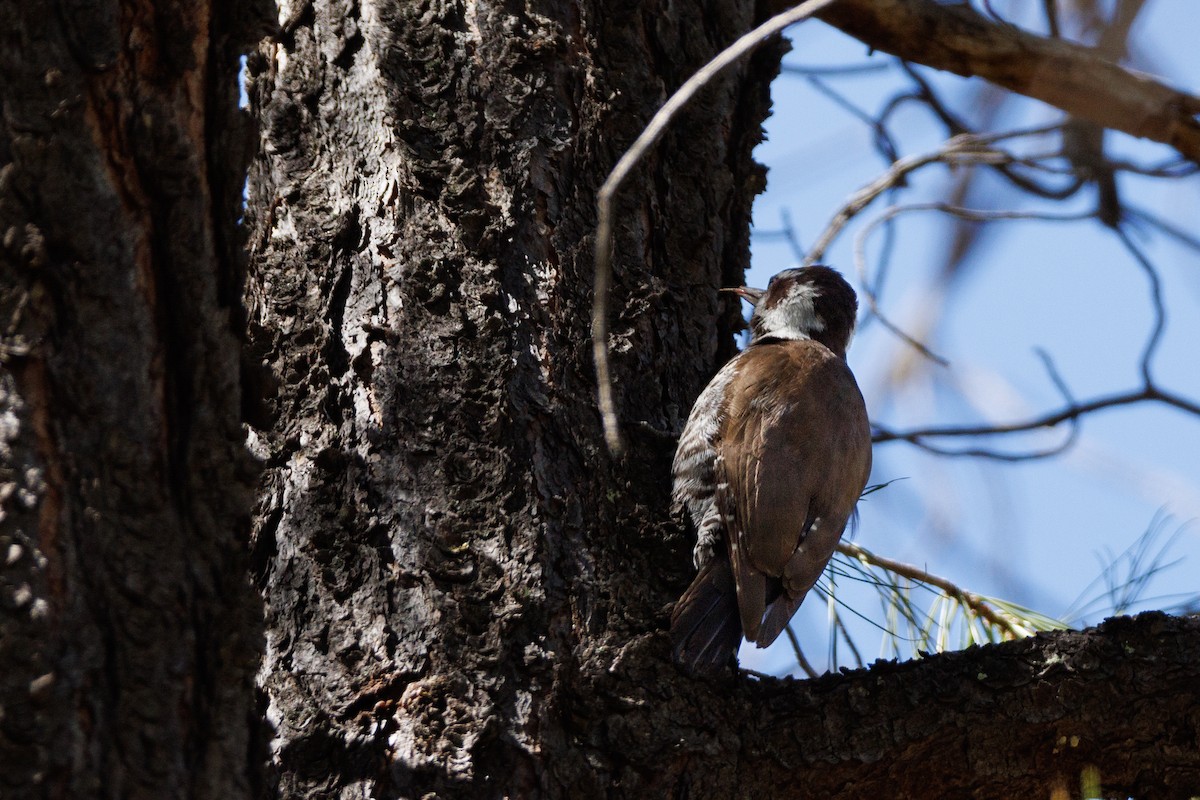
1156	300
1060	383
1051	12
994	455
929	98
1113	43
1061	447
790	233
1180	235
834	71
973	215
987	6
959	150
1033	455
1071	412
955	127
604	198
899	333
799	652
1172	168
883	139
883	264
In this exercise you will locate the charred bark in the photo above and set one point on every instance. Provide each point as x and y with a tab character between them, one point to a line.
445	546
1116	708
128	630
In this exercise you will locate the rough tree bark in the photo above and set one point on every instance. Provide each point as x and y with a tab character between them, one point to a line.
128	631
464	595
449	554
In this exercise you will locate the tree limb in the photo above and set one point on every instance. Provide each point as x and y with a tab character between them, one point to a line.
1016	719
956	38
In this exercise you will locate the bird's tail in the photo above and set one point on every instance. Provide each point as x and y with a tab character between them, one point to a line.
706	628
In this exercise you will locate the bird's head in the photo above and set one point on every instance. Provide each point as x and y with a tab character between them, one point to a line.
804	303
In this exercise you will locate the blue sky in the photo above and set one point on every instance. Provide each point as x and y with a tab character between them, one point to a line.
1033	532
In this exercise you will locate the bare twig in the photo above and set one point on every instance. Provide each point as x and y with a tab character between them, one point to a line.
995	455
1185	238
792	236
1048	8
604	198
1149	391
959	150
956	127
1156	300
1071	412
799	652
883	139
972	215
838	71
1172	168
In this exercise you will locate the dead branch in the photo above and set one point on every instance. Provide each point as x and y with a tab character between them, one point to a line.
1071	77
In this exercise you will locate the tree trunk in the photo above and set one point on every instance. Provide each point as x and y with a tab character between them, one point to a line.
129	633
449	554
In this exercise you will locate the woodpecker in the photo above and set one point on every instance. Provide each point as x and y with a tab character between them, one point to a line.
774	456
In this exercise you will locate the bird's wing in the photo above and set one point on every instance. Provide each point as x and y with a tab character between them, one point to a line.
750	582
795	465
692	467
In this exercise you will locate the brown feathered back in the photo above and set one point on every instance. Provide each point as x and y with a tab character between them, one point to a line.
795	449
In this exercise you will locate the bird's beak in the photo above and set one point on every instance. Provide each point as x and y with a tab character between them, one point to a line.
751	296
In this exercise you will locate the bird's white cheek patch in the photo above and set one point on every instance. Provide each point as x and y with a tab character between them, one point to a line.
795	317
